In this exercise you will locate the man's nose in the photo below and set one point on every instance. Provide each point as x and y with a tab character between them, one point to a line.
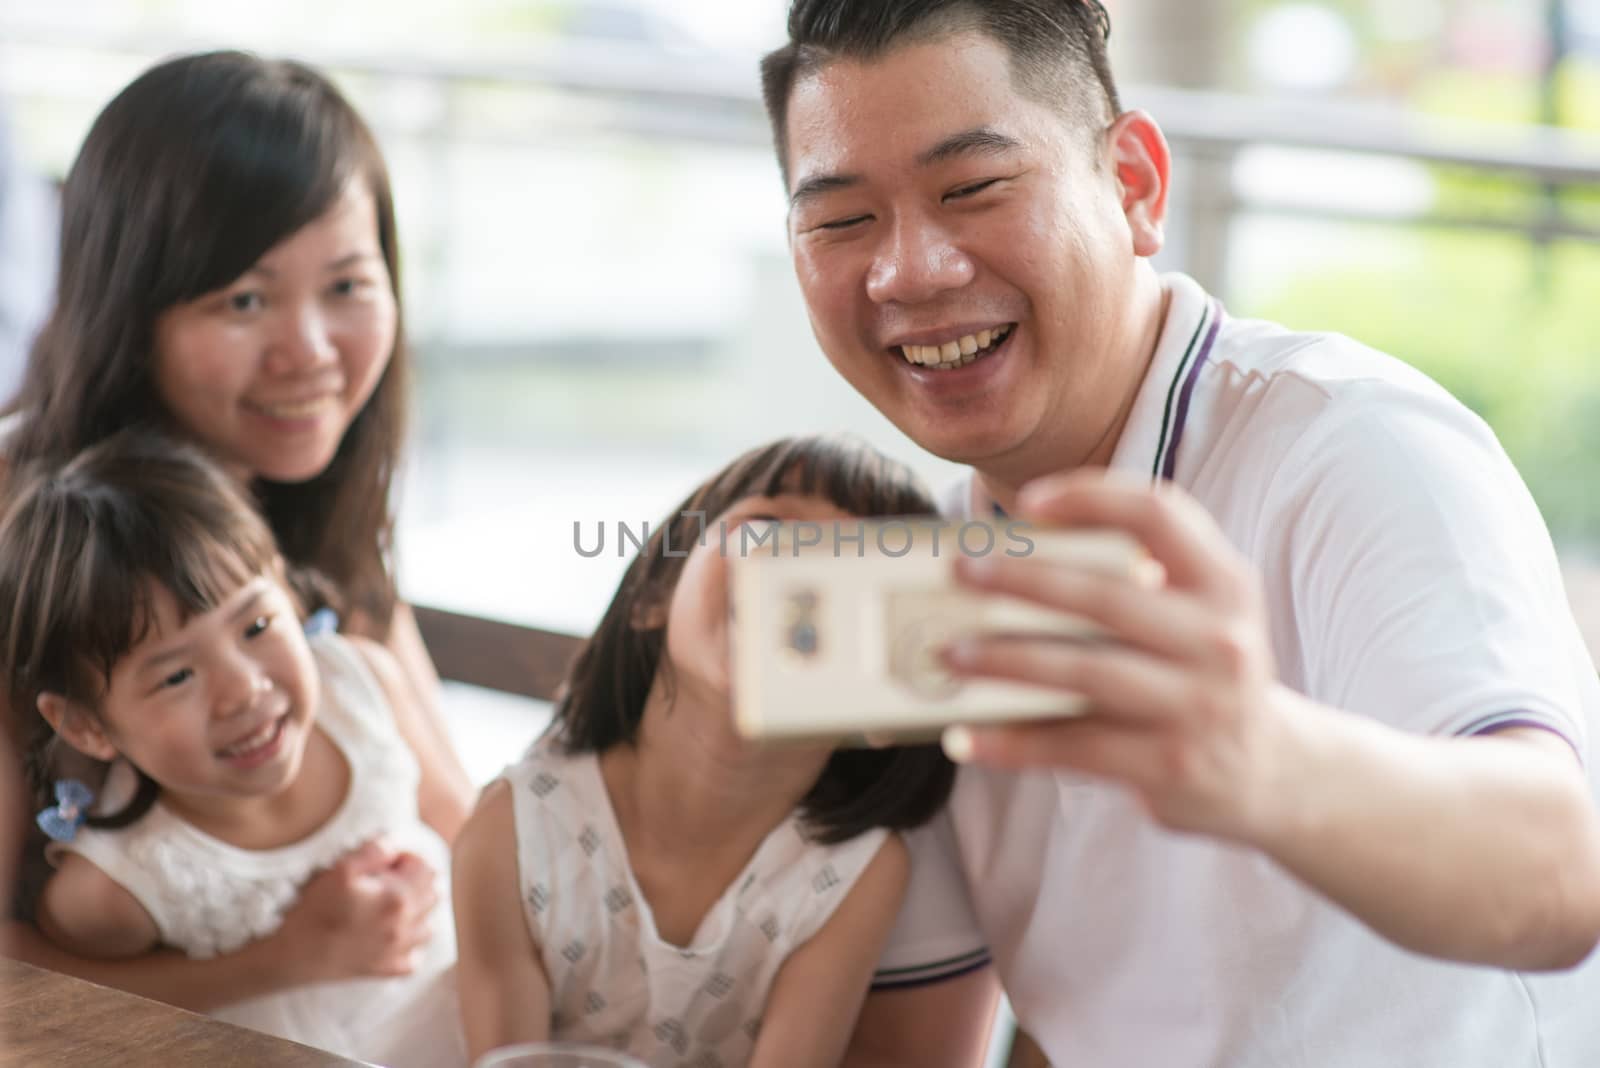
917	262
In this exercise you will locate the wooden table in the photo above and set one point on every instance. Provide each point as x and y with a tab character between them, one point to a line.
48	1019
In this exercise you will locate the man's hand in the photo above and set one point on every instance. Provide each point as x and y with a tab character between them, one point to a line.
1185	709
1485	850
368	915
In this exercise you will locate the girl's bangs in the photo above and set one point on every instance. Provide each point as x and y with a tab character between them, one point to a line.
857	479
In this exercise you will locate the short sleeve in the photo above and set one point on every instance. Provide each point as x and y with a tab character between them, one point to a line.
936	936
1424	587
104	851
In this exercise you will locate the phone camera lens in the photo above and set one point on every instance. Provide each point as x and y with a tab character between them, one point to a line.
915	662
803	639
800	630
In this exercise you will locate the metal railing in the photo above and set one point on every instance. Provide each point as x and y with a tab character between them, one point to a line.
703	97
720	102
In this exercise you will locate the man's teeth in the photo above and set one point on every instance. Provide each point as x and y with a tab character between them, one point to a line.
957	353
254	741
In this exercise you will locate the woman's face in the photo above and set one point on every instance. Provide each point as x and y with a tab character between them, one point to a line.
269	371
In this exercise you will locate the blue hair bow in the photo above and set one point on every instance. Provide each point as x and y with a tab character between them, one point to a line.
62	821
322	621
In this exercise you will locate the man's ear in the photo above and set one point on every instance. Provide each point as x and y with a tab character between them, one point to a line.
1143	167
76	727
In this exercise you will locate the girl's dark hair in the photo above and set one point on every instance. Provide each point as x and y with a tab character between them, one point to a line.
82	547
606	689
194	172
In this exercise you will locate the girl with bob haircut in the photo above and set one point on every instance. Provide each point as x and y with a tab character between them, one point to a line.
644	878
149	623
229	275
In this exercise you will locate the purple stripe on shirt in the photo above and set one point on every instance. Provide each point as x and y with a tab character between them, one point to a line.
929	979
1494	725
1170	464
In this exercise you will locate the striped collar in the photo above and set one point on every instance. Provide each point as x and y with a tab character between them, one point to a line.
1154	431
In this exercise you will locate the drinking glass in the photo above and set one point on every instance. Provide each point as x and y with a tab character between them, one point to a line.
556	1055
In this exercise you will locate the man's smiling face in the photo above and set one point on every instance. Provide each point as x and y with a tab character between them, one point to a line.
963	250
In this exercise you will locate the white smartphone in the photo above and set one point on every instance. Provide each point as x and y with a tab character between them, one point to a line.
837	627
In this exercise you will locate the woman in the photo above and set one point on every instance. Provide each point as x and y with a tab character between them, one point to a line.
229	273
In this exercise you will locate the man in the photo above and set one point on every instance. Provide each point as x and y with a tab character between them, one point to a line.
1334	805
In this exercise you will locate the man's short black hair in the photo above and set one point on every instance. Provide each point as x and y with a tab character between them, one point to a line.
1057	48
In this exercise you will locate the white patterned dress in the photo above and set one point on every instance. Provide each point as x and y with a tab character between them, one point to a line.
208	897
614	980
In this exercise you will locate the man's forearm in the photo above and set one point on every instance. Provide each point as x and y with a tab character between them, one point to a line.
1485	850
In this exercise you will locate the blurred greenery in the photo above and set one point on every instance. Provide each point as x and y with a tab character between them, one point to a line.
541	18
1506	327
1505	324
1511	99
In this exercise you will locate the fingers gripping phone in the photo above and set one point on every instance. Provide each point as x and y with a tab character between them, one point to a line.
838	636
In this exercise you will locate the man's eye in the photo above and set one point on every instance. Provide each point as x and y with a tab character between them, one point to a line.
257	625
843	224
969	190
177	678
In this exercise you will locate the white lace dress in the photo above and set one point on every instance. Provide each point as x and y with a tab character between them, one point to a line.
613	979
208	897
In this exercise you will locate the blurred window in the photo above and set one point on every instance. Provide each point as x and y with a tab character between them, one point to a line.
600	295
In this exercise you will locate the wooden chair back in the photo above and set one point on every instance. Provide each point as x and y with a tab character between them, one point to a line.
516	659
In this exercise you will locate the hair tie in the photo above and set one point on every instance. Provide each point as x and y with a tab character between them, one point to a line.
1102	16
322	621
61	821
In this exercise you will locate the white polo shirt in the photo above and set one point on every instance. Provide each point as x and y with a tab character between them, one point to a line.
1409	578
